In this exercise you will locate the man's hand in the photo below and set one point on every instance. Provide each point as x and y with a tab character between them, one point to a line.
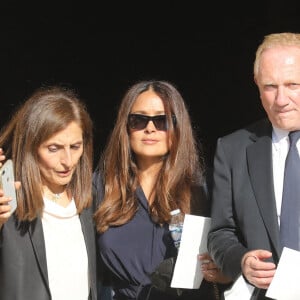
257	271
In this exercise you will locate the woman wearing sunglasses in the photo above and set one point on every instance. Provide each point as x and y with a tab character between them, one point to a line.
150	167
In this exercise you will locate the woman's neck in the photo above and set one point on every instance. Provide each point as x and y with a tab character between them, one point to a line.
147	179
60	196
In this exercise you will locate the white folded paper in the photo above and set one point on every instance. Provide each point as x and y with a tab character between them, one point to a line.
240	290
187	272
285	284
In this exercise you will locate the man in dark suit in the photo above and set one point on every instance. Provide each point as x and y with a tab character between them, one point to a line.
249	171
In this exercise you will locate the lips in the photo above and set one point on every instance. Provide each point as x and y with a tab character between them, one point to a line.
149	141
64	173
284	111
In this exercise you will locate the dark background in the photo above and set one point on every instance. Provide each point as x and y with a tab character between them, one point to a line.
101	48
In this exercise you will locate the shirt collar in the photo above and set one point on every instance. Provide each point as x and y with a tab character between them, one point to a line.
279	134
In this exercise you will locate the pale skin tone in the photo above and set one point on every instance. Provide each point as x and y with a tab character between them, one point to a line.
149	146
278	81
57	160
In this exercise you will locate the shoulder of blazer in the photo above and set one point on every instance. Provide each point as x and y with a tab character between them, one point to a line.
261	128
253	132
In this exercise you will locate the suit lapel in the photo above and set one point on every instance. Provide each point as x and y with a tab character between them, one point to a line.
38	243
259	157
88	229
36	234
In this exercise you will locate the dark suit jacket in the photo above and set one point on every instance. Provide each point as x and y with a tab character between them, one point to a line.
23	266
244	215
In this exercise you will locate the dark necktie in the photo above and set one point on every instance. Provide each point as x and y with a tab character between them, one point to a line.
290	207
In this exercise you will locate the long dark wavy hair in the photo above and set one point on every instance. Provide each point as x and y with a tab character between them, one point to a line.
182	167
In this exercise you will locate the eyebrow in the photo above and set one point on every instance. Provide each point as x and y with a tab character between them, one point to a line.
158	112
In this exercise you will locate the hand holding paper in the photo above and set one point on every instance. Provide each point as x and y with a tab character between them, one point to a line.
285	284
187	272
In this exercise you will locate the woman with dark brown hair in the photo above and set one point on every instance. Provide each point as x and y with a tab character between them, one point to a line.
151	166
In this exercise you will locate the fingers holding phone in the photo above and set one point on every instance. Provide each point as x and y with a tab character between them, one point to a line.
8	198
5	208
2	157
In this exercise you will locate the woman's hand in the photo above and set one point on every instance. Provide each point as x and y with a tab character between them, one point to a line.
2	157
210	270
5	209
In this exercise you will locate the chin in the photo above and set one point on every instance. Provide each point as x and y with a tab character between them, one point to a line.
288	126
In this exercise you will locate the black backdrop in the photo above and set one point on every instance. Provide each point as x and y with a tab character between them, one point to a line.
100	49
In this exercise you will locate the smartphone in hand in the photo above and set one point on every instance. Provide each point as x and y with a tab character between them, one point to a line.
7	183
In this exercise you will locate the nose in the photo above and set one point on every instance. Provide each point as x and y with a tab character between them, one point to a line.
150	126
282	98
66	158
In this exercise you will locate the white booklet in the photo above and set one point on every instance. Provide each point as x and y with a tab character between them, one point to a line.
285	284
240	290
187	272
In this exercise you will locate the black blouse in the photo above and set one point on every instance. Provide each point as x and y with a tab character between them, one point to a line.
131	252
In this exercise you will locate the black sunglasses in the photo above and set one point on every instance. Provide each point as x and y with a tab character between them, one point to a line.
139	122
